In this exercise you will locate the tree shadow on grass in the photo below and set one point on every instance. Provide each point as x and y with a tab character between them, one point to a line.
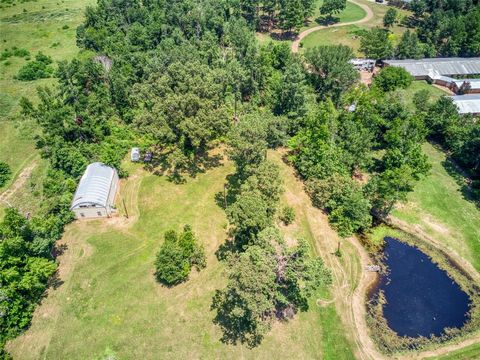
327	20
55	282
466	184
235	329
162	164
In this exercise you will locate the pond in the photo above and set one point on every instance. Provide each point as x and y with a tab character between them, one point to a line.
421	299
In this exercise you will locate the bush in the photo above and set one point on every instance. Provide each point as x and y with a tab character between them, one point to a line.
177	256
38	69
287	215
5	173
391	78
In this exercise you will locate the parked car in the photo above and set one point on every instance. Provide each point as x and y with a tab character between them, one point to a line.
135	154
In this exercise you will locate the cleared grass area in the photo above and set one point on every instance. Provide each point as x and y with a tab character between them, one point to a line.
352	12
346	35
438	207
109	299
468	353
408	94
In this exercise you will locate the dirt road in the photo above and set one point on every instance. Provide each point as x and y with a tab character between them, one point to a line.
18	183
303	34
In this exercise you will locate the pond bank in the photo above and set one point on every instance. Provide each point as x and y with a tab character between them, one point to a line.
388	340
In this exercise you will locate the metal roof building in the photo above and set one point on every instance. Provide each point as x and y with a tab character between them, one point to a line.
423	68
96	191
467	104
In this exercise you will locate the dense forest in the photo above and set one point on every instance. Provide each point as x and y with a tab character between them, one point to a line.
178	78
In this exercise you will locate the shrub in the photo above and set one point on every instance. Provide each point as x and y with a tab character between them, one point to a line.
287	215
38	69
177	256
391	78
5	173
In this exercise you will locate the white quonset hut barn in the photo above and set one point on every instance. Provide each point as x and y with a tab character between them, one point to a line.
96	192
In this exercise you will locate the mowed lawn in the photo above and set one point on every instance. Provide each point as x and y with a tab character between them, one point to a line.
109	301
352	12
348	35
438	207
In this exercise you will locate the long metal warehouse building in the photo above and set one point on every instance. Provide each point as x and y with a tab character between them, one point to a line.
95	195
422	69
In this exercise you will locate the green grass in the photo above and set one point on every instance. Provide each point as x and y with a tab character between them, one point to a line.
333	36
352	12
408	94
110	299
468	353
345	35
34	26
438	207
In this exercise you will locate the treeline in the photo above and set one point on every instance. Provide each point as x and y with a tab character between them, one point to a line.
267	280
458	134
444	29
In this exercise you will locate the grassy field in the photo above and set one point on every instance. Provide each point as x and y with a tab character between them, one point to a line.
347	35
352	12
344	35
468	353
438	207
43	25
108	299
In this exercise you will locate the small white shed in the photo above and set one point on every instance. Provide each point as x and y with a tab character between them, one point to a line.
135	154
95	195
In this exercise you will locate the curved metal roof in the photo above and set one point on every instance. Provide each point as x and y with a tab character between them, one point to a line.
94	186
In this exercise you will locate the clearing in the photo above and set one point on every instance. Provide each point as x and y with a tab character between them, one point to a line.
348	35
106	297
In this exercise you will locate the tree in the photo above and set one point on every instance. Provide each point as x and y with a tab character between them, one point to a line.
332	72
287	215
332	7
291	15
5	173
247	142
266	281
418	7
292	95
392	77
376	44
177	255
249	215
343	199
390	17
409	46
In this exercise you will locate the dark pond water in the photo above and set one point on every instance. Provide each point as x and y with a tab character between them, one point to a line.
421	298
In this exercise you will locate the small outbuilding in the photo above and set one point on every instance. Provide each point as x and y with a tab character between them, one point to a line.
135	154
95	195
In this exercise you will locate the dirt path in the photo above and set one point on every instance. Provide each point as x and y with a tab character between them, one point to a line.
18	183
350	280
303	34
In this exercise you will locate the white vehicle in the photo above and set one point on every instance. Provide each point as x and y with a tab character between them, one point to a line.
135	154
